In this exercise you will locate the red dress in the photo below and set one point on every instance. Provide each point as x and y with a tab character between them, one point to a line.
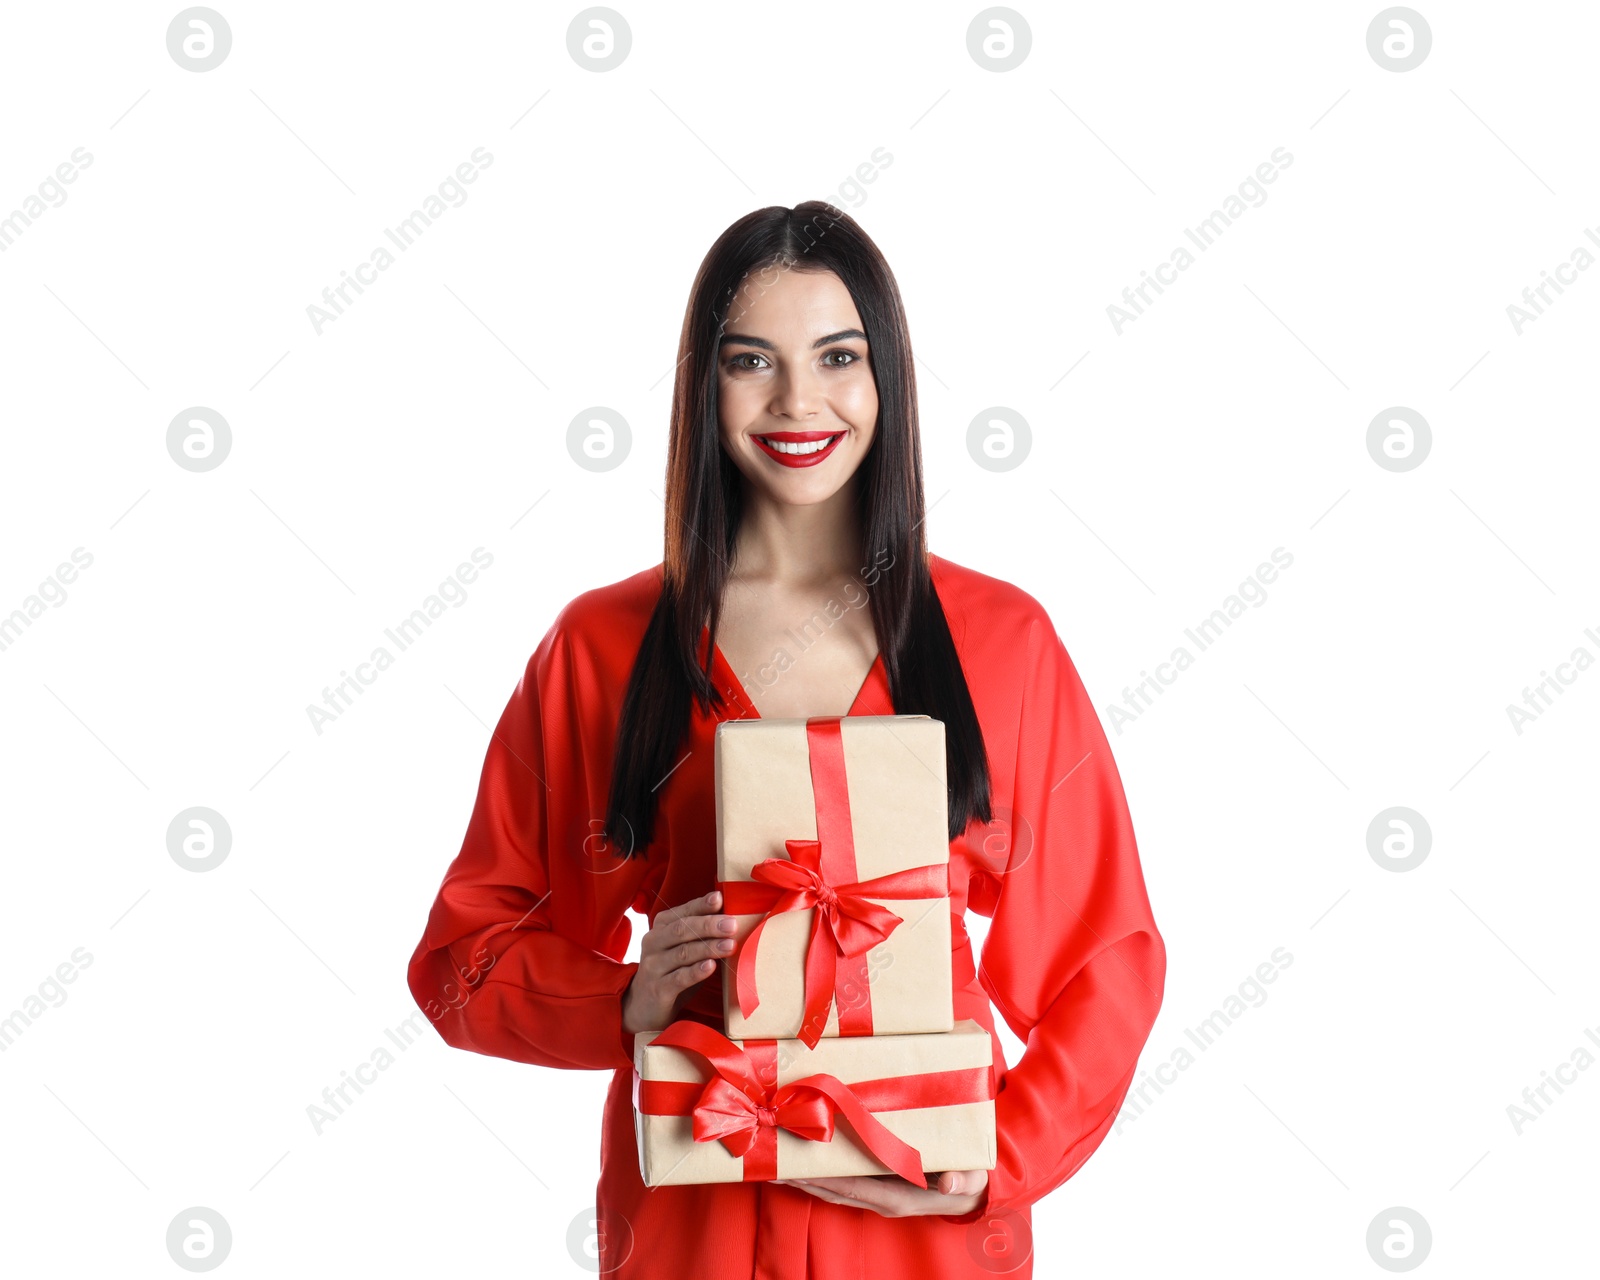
522	955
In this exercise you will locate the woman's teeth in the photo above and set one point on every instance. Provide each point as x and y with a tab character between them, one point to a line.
813	446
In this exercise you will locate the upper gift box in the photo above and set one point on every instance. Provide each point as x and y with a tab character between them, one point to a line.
833	858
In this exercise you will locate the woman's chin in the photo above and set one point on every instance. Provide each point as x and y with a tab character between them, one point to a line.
798	486
808	491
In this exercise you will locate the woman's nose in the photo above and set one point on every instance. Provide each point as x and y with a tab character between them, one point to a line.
797	396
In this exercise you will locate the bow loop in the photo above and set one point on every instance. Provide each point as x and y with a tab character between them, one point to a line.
806	853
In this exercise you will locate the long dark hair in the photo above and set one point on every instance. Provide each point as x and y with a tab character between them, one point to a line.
704	501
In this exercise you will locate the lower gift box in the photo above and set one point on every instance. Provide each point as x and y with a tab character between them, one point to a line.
710	1109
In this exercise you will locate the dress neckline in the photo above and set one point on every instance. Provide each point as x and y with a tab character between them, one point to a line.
747	704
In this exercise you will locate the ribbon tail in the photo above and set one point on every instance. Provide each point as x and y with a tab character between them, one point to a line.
745	974
862	925
822	967
899	1155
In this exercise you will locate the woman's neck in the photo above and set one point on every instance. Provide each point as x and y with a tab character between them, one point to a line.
781	543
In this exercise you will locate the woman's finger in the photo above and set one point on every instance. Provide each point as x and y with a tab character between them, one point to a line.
688	975
690	955
822	1193
861	1190
700	949
690	922
703	924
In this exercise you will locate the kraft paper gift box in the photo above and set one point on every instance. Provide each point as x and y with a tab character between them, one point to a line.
707	1109
848	814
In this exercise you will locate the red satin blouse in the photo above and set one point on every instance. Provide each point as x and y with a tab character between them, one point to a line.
522	954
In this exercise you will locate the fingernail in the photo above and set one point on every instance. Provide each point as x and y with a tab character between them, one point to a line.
726	944
714	898
726	926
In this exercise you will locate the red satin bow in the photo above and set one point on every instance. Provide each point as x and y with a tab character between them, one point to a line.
726	1113
742	1112
846	922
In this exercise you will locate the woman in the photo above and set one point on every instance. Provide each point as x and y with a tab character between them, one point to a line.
796	583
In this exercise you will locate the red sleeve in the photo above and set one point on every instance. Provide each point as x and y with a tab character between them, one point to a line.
521	957
1073	960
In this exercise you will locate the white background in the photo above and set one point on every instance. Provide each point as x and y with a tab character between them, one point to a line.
368	461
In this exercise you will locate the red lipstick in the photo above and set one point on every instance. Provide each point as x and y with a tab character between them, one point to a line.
791	438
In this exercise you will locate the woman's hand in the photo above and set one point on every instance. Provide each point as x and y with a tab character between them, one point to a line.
681	949
892	1196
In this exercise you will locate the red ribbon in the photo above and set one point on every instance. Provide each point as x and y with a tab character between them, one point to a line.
820	875
743	1107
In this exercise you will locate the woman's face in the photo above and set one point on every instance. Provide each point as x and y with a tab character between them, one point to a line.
797	402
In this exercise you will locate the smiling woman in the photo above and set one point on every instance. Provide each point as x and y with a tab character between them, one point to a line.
793	462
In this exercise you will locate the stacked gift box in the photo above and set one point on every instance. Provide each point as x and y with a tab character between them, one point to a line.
841	1054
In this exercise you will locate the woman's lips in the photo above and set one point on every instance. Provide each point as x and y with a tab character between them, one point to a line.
799	448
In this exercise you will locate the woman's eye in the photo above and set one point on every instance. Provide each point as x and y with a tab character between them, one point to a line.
738	362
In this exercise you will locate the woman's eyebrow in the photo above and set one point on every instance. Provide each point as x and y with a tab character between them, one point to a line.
744	339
